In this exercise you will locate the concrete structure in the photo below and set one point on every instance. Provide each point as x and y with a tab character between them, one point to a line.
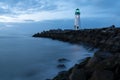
77	19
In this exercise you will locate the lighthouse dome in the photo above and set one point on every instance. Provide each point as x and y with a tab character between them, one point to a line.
77	12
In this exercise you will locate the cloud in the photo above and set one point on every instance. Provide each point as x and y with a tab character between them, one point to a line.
35	10
38	10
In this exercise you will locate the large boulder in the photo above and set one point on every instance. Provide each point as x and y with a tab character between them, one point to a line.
102	75
77	74
102	54
61	66
63	75
63	60
92	62
98	57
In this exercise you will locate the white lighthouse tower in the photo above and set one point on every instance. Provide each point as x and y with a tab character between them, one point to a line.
77	19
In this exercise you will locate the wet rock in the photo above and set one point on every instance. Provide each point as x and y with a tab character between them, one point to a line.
99	56
61	66
117	71
63	60
83	63
104	65
78	74
107	64
63	75
103	54
104	38
112	26
102	75
92	62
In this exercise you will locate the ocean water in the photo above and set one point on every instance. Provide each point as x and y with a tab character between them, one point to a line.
23	57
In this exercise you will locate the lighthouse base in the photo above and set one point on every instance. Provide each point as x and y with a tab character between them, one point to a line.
76	27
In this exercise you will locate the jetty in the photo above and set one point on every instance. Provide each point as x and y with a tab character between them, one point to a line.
104	65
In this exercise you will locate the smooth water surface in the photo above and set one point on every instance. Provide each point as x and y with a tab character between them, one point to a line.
28	58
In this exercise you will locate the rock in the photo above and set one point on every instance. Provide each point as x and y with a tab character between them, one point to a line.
63	60
102	54
92	62
98	57
103	38
117	71
83	63
104	65
63	75
78	74
61	66
102	75
112	26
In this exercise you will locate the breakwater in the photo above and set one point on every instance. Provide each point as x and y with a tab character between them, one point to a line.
104	38
104	65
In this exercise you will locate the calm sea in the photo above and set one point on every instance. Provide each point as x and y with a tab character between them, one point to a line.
27	58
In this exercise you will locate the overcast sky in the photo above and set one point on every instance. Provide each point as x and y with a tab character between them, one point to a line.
39	10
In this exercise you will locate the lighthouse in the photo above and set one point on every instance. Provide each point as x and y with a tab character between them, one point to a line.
77	19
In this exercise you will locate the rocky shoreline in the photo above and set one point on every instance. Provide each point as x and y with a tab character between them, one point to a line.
104	65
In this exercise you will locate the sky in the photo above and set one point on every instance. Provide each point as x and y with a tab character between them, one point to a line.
29	11
39	10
